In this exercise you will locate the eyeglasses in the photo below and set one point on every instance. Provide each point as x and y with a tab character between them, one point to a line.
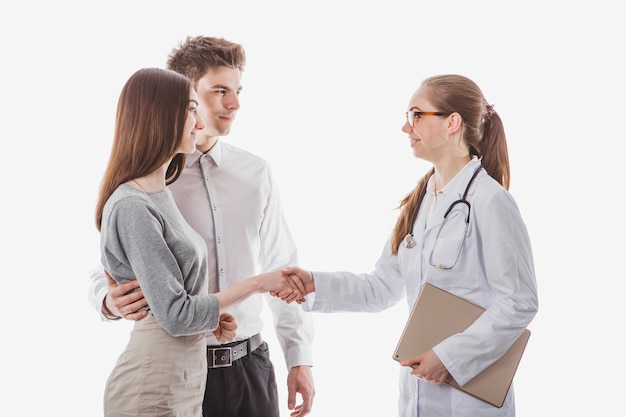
412	116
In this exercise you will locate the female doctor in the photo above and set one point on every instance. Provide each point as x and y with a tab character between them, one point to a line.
460	230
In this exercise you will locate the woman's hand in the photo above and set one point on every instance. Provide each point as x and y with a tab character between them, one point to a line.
428	367
278	285
226	328
300	279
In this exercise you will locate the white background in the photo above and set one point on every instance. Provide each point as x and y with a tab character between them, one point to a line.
325	91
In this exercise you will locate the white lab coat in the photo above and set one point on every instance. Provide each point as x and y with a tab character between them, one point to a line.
494	270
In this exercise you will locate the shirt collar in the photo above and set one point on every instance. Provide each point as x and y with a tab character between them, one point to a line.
215	154
470	166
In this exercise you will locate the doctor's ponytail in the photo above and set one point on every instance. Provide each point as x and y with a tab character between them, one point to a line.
483	133
407	207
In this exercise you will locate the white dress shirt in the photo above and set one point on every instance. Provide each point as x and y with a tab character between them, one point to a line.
230	198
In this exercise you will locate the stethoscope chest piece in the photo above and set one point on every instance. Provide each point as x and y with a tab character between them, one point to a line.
409	242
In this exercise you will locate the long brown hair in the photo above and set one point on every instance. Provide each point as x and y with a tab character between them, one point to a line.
483	132
149	125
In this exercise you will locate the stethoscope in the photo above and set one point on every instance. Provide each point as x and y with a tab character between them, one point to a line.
409	242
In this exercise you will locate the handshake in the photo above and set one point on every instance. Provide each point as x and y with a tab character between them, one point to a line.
290	284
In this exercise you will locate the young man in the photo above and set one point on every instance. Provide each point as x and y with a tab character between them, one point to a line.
229	197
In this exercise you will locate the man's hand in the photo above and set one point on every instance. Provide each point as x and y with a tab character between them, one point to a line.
300	380
121	302
226	329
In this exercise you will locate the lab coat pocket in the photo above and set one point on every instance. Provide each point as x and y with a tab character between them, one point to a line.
445	253
449	240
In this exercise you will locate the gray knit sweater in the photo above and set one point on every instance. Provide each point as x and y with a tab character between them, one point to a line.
144	237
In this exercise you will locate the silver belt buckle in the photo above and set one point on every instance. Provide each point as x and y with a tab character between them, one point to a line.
222	357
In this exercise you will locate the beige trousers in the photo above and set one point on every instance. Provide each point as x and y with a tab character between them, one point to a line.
157	375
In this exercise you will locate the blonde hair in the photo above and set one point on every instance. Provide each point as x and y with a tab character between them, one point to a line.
483	133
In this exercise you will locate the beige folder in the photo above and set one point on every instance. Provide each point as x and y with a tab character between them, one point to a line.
437	314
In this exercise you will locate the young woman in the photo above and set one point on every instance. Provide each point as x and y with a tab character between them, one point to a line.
144	237
459	230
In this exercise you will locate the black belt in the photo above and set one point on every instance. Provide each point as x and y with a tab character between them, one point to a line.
224	355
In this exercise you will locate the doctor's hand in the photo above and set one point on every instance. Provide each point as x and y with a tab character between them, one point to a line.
226	328
428	367
277	284
123	300
300	279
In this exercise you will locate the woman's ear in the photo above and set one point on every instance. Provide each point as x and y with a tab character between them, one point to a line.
454	123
